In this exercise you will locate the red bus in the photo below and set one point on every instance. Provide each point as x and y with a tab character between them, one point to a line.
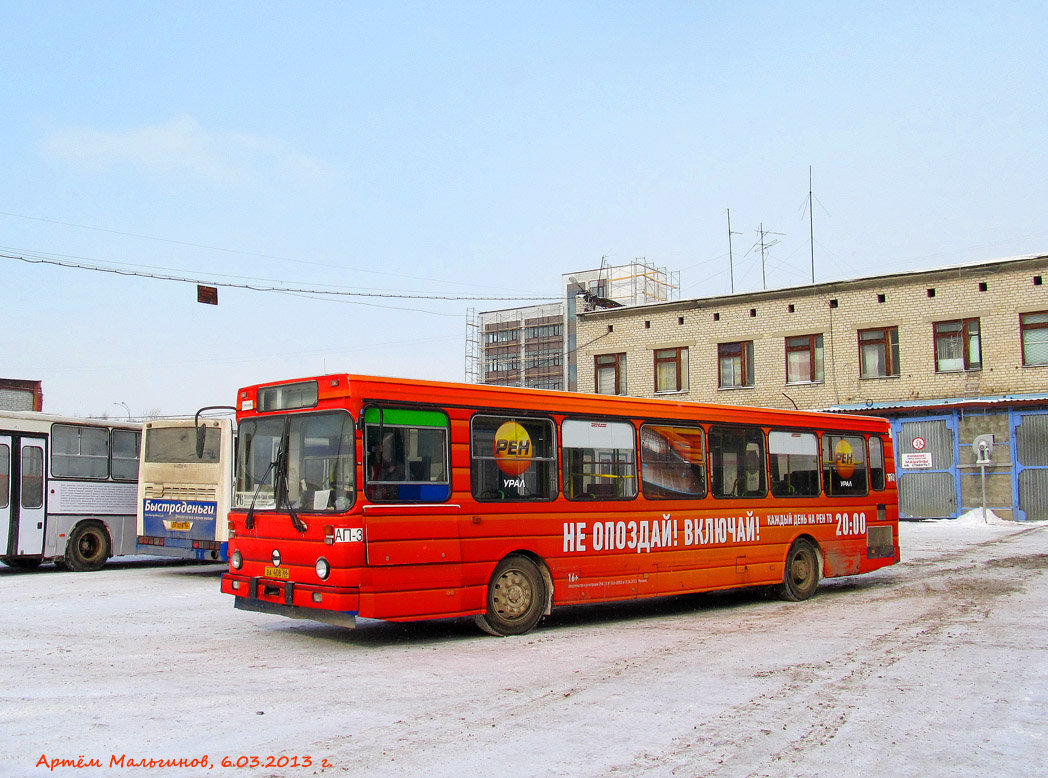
401	500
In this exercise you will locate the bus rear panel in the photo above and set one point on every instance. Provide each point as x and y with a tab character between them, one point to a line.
184	489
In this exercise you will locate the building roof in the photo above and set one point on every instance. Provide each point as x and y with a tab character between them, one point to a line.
826	287
942	402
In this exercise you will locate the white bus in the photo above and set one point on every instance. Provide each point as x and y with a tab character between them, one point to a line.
67	490
184	485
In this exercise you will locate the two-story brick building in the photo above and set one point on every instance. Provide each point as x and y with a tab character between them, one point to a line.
948	355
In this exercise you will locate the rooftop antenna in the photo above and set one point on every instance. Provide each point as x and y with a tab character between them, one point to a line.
811	227
765	245
731	262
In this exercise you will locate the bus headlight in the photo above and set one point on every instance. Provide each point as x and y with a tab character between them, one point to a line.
236	560
323	569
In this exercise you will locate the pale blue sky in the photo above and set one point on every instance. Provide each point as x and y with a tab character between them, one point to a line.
475	149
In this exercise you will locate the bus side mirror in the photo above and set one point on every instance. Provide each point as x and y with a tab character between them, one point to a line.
201	430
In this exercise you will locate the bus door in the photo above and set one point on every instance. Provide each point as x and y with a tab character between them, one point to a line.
21	495
7	512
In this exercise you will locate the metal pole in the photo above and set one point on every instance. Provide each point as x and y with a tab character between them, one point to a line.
731	262
982	467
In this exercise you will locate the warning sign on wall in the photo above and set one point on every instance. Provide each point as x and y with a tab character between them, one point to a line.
920	461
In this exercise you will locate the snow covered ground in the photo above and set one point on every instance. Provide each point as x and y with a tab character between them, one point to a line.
934	667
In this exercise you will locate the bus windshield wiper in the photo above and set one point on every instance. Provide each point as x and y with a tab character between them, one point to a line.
249	520
282	485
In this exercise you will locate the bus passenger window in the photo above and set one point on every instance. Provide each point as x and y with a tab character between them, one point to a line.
513	458
5	475
672	462
737	462
125	455
599	460
876	463
406	455
794	458
79	452
843	465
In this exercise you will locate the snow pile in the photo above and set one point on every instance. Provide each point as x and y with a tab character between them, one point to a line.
976	517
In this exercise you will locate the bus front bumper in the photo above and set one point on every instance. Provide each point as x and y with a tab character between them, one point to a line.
327	604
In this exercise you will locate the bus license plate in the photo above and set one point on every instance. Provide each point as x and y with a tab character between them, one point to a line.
183	526
278	572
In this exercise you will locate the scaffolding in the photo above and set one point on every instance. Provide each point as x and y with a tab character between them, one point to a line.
636	283
472	346
517	347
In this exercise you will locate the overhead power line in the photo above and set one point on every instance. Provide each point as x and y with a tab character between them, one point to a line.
241	252
256	287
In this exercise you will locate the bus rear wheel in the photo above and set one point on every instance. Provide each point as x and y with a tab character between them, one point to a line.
516	597
88	548
800	578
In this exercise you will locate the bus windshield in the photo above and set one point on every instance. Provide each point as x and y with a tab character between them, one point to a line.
177	445
319	462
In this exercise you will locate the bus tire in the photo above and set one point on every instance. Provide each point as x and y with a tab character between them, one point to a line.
800	577
88	547
21	563
516	597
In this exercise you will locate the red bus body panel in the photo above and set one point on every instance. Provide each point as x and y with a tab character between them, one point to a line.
421	561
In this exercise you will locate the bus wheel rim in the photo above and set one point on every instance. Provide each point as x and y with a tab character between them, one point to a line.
89	545
513	595
800	569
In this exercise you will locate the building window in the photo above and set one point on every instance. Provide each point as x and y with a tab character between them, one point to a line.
957	346
736	364
500	362
671	370
804	359
610	370
1034	328
543	331
543	360
502	336
879	352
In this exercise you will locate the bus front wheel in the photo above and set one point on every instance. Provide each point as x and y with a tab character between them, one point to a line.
516	597
88	548
800	578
